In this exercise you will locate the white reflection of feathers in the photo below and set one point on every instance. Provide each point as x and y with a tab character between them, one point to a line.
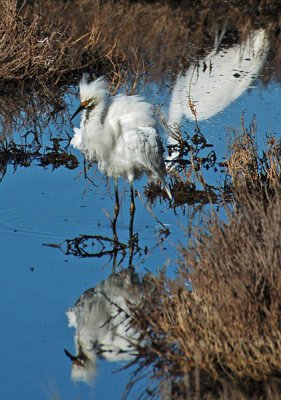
101	320
212	92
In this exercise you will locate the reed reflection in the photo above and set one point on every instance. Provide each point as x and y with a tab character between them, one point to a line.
29	150
109	247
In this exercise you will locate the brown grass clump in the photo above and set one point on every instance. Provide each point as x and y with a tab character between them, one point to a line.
52	41
243	159
37	52
31	46
215	332
259	172
223	338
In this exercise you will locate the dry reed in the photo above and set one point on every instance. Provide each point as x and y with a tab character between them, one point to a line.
49	41
247	166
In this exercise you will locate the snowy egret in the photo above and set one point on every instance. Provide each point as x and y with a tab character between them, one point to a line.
120	134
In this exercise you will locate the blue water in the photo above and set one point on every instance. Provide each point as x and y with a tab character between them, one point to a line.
39	283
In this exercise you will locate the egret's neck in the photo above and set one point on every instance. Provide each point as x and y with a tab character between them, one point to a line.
97	139
99	113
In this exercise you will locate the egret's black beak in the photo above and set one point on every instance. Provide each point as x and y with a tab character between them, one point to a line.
79	109
75	359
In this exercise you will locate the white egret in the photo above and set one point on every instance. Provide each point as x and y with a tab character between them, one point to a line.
120	134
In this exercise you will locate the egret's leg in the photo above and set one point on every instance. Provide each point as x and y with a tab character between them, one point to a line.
132	214
116	209
132	209
115	252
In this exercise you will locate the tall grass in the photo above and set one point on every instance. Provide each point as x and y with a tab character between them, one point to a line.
248	166
32	47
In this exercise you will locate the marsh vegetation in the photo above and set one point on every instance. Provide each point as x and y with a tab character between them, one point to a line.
210	329
215	331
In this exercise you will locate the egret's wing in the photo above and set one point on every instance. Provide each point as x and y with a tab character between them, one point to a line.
138	118
129	112
145	145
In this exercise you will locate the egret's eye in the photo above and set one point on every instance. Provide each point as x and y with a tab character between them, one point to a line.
84	104
91	103
88	103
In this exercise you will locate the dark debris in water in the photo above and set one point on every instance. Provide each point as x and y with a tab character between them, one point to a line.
187	193
28	152
96	246
189	157
57	157
93	246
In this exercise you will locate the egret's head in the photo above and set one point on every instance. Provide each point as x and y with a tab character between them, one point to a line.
91	94
83	368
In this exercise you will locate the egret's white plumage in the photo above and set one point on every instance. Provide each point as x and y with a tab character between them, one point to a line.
119	133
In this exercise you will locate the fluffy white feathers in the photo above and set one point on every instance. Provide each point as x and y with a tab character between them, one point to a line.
119	133
97	89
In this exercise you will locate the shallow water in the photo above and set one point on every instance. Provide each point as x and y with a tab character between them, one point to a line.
46	206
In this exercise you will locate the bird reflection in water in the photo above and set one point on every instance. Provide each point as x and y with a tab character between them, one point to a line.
212	84
102	322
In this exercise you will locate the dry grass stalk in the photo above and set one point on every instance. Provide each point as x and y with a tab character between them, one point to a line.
243	159
272	162
247	167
